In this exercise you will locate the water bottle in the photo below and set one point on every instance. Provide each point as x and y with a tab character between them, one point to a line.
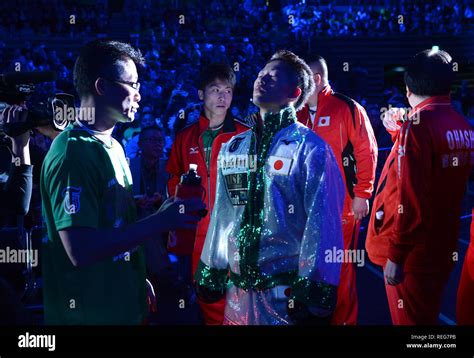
181	242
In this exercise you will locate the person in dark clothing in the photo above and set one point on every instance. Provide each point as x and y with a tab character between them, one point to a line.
15	193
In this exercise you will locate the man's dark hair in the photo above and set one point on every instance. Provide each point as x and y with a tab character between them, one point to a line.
100	58
430	73
148	129
215	71
322	66
301	72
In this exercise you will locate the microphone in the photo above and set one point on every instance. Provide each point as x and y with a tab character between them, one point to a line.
20	77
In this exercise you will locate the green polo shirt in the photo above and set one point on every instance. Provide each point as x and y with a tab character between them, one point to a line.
87	183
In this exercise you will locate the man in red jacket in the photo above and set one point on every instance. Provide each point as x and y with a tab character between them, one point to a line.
464	306
414	225
344	125
199	143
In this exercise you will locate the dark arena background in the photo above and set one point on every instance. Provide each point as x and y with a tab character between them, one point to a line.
367	46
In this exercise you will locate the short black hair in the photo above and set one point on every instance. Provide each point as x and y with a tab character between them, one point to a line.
430	73
322	65
94	59
213	71
147	129
302	74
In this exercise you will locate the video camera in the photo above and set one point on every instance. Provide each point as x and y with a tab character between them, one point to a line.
17	88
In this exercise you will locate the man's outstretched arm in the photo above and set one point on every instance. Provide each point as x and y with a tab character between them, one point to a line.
85	245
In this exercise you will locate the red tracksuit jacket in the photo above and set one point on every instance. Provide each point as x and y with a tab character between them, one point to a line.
188	149
421	188
344	125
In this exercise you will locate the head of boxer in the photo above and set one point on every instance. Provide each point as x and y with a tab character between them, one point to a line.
285	80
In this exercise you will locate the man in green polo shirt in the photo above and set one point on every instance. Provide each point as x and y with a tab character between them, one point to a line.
93	265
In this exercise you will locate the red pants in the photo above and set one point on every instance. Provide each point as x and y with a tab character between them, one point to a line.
417	299
213	312
347	302
464	305
465	300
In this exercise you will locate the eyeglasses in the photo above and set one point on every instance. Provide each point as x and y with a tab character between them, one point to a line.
134	85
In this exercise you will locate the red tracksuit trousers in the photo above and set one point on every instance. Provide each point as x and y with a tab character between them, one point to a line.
347	302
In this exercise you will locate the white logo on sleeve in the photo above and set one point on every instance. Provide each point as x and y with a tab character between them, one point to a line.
324	121
72	200
279	165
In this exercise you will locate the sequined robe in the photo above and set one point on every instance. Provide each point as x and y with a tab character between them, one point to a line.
298	225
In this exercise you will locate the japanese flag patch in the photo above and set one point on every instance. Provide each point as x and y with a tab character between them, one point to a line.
279	165
324	121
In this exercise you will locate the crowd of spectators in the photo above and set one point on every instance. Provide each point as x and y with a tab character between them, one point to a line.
390	18
53	17
178	37
239	18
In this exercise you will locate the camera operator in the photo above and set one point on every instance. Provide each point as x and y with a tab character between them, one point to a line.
15	197
16	193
